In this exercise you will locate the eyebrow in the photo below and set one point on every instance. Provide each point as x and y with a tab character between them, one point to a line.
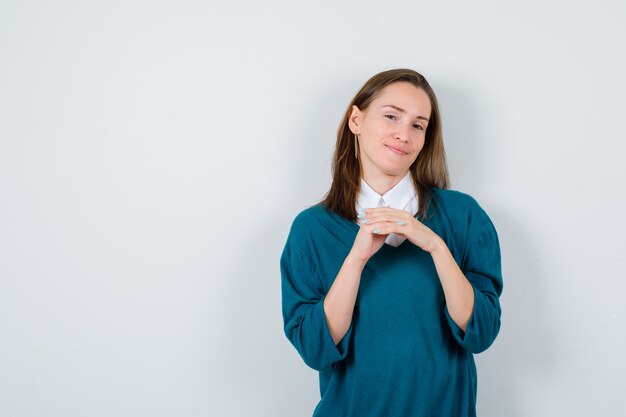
401	110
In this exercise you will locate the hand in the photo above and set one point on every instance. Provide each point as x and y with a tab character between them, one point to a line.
366	243
389	220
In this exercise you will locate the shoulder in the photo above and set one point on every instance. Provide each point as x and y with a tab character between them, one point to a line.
308	231
307	222
310	215
469	223
456	201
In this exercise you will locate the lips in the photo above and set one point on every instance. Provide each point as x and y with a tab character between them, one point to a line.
396	150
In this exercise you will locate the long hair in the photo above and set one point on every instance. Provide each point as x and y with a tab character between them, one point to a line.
428	170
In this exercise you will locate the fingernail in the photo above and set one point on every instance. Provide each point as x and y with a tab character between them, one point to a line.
361	215
366	220
401	223
377	231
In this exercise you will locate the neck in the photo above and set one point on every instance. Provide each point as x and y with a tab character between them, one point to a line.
381	183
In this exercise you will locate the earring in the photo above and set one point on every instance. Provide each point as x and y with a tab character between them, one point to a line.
356	152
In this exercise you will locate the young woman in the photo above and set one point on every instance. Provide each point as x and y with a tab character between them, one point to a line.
392	282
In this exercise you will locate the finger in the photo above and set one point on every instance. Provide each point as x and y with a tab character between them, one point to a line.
383	228
369	228
384	218
389	213
377	220
379	210
390	227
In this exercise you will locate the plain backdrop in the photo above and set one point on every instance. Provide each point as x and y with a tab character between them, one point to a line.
153	156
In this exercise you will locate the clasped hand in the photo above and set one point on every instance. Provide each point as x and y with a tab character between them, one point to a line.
379	222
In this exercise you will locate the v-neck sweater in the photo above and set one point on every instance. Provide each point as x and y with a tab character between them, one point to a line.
403	355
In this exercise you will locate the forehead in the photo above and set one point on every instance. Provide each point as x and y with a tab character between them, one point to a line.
405	95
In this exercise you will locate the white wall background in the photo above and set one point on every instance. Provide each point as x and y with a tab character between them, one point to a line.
153	155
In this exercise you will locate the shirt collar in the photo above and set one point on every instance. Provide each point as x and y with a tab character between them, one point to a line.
397	197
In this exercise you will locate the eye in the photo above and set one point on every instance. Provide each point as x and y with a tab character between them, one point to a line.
418	127
390	116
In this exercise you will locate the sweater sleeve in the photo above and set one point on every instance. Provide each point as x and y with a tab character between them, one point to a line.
482	268
303	309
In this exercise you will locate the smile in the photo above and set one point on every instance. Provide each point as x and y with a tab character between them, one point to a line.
396	151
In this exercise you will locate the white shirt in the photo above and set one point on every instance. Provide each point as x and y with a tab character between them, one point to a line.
401	197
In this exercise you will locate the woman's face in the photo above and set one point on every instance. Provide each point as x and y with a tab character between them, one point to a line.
392	130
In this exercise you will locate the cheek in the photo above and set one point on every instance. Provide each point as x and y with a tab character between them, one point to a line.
419	146
381	129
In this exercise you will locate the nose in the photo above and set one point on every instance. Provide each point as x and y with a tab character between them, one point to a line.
403	133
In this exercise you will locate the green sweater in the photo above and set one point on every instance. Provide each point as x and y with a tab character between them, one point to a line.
403	355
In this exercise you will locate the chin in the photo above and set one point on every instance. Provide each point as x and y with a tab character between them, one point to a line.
395	170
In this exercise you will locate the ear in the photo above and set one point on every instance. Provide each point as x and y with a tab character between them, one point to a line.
355	119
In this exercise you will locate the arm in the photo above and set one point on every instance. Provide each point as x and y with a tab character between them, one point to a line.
457	289
303	307
472	292
340	300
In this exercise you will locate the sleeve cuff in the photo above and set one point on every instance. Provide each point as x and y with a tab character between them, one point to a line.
459	335
339	351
